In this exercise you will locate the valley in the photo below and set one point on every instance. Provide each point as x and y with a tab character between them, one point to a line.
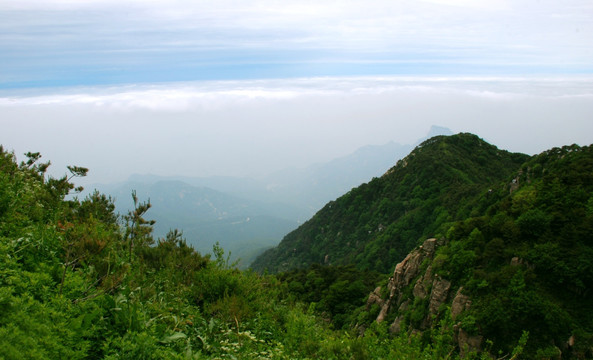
460	250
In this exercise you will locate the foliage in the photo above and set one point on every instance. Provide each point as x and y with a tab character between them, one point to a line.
334	292
518	233
374	226
79	281
527	261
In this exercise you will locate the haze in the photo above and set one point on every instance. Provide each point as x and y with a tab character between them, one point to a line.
247	88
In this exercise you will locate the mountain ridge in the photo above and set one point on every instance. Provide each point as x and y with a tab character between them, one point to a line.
208	216
520	268
276	203
410	200
496	251
508	272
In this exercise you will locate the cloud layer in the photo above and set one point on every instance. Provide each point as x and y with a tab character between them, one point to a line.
61	42
170	86
247	128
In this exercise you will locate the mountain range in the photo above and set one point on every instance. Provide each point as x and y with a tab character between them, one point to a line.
460	250
376	224
248	215
490	247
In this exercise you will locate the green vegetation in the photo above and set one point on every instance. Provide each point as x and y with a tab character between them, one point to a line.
334	292
79	281
375	225
517	234
245	228
528	260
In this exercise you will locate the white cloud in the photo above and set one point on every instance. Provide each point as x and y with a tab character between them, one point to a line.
105	35
250	127
483	5
214	94
255	127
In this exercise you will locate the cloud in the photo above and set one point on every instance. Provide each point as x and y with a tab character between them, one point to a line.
129	41
256	127
483	5
326	67
213	94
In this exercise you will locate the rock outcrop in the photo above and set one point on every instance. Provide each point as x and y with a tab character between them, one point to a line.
404	273
438	295
375	298
416	273
460	304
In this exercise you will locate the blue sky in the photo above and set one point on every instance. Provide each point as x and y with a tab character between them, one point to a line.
247	87
67	42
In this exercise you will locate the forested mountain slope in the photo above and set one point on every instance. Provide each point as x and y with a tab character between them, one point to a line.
376	224
77	282
521	266
508	276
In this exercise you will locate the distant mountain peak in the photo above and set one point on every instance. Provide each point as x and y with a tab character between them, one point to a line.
436	130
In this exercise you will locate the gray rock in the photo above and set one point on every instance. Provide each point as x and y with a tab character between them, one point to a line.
460	303
438	295
395	328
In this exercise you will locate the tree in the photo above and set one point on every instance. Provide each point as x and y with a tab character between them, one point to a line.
138	230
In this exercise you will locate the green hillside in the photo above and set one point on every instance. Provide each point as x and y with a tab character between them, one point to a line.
77	282
375	225
508	274
519	266
511	266
527	261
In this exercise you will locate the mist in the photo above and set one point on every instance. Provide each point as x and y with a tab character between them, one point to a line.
252	128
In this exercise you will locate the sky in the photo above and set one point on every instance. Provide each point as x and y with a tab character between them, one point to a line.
244	88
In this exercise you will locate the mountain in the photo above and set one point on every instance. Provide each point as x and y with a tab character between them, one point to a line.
435	131
245	188
488	250
507	275
298	192
243	227
376	224
303	191
517	268
75	283
247	215
312	187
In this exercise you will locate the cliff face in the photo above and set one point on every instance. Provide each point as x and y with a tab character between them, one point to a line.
415	288
405	272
